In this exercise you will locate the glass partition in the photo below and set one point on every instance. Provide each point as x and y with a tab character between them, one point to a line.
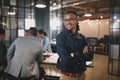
21	18
114	52
55	18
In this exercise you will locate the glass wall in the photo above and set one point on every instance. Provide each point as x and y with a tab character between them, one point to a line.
15	17
114	52
55	18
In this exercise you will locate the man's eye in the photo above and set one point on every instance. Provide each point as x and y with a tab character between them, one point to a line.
71	19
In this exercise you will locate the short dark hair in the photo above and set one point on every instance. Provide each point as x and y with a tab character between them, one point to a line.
33	31
73	12
27	30
2	31
41	31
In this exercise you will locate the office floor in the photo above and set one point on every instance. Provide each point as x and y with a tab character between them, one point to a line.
100	69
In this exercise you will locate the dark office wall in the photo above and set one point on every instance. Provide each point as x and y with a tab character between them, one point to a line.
42	18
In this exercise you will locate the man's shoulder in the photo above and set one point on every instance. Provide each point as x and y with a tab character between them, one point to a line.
24	38
18	38
29	37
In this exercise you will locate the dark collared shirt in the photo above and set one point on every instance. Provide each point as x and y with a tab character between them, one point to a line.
68	43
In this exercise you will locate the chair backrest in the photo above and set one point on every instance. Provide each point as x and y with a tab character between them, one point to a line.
93	41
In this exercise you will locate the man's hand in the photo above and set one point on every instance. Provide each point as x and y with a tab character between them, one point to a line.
85	50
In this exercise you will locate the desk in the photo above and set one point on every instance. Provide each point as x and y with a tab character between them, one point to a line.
49	64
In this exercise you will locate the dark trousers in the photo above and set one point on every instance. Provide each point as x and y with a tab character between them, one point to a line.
30	78
1	74
6	76
10	77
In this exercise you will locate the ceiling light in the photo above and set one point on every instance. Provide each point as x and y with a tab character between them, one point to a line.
41	4
101	17
87	14
11	11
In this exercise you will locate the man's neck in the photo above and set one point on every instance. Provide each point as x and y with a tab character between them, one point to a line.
73	31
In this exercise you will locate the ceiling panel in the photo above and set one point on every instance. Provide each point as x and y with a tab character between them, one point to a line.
98	8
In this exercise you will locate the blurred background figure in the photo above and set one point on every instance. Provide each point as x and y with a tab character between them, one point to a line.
27	32
3	52
24	57
44	40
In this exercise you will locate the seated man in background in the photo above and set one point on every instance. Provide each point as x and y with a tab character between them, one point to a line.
44	40
23	57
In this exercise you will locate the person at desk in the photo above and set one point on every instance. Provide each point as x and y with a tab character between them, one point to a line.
3	52
44	40
23	57
73	50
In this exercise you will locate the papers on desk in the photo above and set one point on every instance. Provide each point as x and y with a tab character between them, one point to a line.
89	62
52	59
44	54
53	42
